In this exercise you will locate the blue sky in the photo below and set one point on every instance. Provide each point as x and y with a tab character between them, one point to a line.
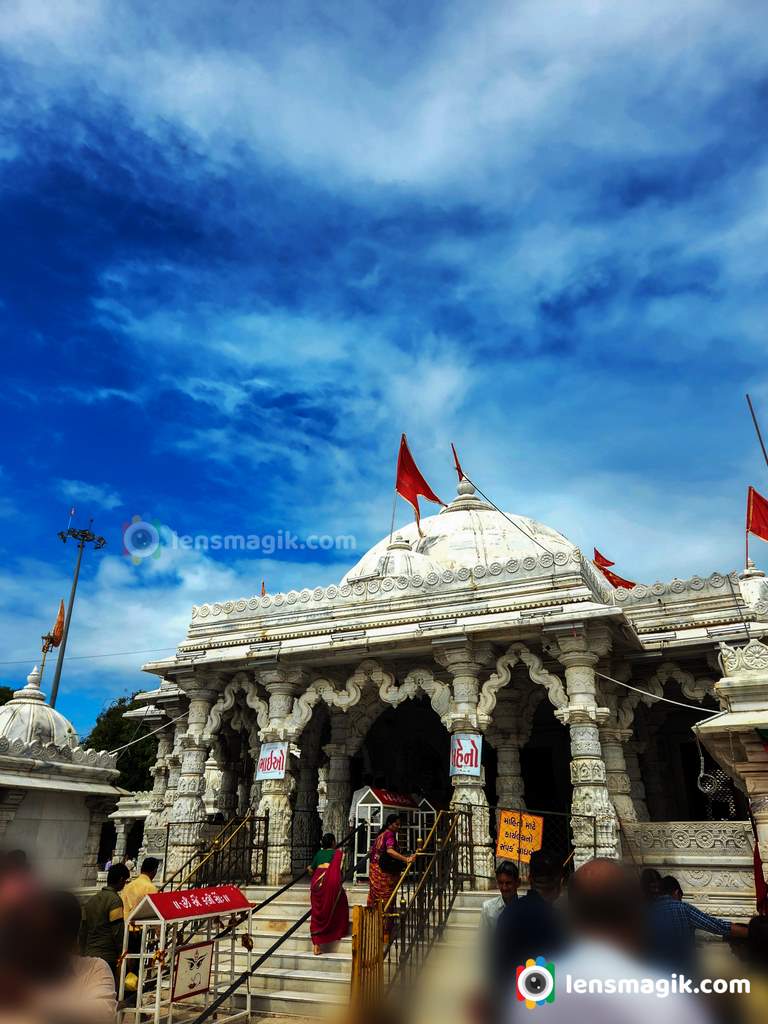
247	245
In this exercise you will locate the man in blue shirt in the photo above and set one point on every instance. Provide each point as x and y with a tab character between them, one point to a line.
673	926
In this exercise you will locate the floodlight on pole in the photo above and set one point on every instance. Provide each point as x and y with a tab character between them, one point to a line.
82	537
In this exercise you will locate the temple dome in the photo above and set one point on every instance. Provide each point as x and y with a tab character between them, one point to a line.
466	533
28	718
392	558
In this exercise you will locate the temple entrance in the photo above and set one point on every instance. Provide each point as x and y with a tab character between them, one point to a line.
407	750
544	763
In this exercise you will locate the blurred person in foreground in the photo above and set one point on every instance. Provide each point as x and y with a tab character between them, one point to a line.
77	989
101	933
607	916
530	925
142	885
673	924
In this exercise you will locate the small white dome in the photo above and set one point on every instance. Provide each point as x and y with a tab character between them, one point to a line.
392	559
28	718
466	533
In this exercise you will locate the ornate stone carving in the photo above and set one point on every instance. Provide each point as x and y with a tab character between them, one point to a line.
752	657
515	653
693	688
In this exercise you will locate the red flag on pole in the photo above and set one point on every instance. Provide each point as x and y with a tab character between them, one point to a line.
602	563
459	470
757	514
410	483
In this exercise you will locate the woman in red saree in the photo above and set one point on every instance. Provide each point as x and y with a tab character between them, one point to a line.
386	864
329	920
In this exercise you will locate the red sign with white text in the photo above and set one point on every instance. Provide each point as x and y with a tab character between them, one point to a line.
216	899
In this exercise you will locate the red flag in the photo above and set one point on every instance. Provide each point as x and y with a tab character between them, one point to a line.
410	483
459	470
601	561
617	581
58	630
757	514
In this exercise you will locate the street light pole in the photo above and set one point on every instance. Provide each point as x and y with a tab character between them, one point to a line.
83	537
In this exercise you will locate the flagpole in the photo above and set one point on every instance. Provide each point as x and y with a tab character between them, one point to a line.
757	429
394	493
83	537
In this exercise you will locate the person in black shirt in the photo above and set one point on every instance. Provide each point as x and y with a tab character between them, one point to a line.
531	925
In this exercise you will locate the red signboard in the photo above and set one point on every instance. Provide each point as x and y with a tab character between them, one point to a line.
217	899
390	799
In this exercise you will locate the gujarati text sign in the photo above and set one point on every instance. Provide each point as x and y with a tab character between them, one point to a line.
272	761
519	835
466	751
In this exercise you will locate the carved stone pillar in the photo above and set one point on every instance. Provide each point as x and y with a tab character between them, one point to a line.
339	790
612	742
465	661
282	684
153	844
593	818
510	789
121	837
632	751
188	814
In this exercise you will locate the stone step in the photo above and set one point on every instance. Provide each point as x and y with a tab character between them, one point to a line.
299	942
338	964
317	982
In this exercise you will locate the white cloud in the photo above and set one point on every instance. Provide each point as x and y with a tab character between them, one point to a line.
99	495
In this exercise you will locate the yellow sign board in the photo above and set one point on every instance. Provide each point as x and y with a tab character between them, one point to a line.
519	835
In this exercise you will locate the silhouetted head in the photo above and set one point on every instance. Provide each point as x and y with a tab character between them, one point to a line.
328	842
650	881
393	822
149	866
605	901
117	876
671	887
545	874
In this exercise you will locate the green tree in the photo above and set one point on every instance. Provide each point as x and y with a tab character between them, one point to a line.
5	694
112	731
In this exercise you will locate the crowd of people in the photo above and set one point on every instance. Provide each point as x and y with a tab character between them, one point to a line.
60	959
608	924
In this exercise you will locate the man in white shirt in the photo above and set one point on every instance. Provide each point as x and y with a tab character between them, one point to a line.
507	882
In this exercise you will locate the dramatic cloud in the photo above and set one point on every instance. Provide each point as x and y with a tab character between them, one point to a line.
250	247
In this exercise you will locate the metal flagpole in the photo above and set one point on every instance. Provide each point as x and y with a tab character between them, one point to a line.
83	537
394	493
757	429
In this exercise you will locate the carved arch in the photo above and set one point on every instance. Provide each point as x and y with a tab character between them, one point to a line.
693	688
515	653
240	683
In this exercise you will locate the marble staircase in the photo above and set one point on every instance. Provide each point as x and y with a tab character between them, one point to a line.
293	983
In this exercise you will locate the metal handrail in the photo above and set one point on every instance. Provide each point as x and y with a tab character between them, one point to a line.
196	853
217	1002
419	852
216	847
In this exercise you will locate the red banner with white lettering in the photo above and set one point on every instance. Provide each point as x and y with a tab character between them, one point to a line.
216	899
